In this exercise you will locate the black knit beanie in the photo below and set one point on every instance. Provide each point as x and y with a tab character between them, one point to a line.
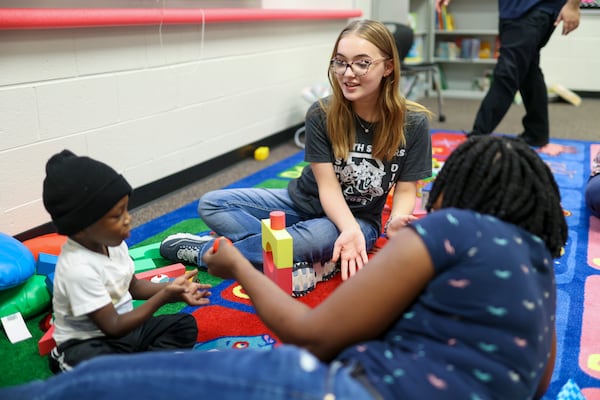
78	191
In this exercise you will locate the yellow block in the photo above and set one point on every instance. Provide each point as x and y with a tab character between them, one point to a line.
279	243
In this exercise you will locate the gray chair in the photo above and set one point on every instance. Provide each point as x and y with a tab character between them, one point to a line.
404	37
310	94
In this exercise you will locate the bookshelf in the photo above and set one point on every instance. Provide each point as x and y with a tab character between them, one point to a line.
419	19
566	60
464	45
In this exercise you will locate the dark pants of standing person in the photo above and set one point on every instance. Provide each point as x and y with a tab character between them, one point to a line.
163	332
518	68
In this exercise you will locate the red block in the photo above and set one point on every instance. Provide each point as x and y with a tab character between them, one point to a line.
46	343
172	271
281	276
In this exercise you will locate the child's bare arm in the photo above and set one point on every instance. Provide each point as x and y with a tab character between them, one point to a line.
114	324
184	289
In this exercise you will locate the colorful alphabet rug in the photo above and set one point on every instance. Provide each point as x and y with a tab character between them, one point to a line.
230	321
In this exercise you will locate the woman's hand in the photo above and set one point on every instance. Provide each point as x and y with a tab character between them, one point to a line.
395	223
350	248
403	206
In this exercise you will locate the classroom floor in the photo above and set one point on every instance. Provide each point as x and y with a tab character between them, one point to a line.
566	122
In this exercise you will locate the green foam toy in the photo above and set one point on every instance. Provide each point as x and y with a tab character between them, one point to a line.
30	298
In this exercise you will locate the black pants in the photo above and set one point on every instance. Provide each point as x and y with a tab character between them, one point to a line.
518	68
164	332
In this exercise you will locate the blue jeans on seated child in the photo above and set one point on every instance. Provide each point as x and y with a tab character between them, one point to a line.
237	214
283	373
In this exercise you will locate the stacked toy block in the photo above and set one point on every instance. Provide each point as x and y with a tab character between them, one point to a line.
277	246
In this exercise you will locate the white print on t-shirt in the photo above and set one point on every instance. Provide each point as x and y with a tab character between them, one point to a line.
362	177
366	149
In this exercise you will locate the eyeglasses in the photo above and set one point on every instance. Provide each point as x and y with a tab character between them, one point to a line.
359	68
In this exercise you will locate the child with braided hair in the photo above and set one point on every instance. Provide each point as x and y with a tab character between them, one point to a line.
458	305
515	193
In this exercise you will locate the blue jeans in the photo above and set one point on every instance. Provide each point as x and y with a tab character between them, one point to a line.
237	214
286	372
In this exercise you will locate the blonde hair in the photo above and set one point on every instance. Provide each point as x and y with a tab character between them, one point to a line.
391	105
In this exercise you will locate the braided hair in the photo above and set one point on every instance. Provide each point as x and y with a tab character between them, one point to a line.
503	177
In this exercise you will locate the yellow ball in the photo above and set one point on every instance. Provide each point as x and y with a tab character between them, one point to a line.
261	153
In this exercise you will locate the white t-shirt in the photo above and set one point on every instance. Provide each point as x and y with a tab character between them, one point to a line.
85	281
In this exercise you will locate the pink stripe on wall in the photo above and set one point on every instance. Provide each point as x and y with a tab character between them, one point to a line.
53	18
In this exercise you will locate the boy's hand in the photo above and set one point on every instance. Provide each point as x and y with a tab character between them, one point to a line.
183	288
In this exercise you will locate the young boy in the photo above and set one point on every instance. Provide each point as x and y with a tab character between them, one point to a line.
94	281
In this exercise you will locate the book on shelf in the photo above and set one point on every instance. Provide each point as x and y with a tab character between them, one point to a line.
444	20
447	51
412	21
464	48
485	49
442	74
469	48
415	54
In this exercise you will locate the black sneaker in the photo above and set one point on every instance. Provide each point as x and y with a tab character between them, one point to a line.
183	247
534	142
469	134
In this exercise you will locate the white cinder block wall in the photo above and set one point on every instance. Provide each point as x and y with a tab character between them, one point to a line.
150	101
574	60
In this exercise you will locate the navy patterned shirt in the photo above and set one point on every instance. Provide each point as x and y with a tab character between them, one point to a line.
482	328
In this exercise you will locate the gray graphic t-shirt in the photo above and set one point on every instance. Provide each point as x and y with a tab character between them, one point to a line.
365	181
